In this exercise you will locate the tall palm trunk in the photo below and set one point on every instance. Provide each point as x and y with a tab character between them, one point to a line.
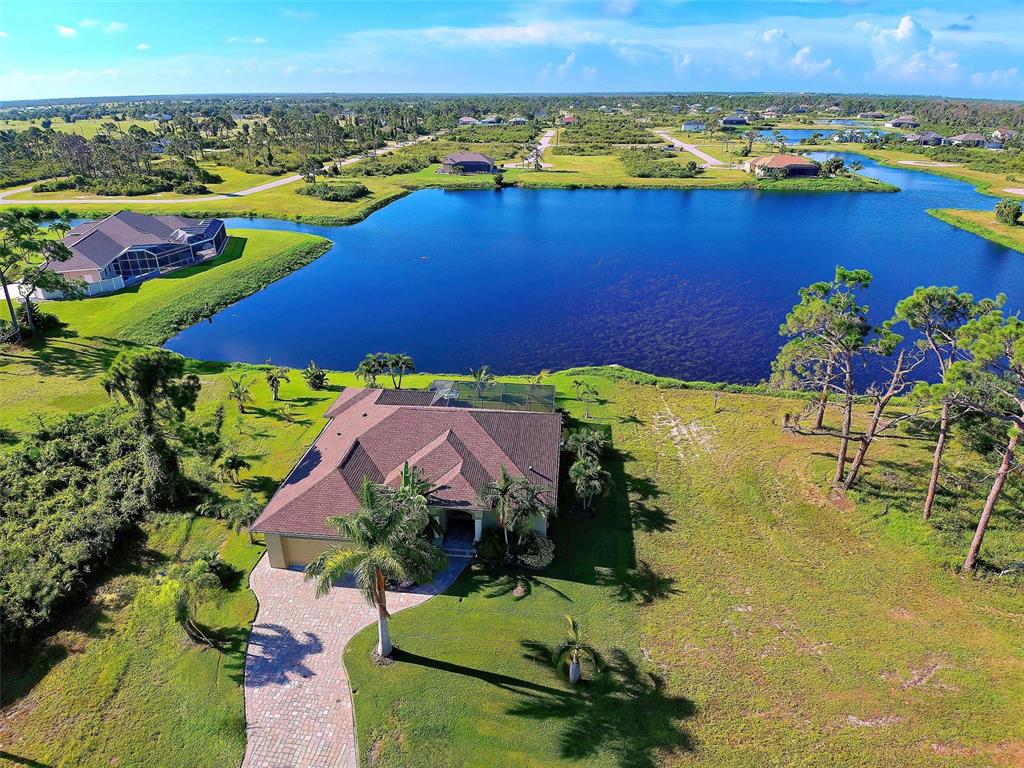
10	307
844	441
993	496
819	417
384	646
940	446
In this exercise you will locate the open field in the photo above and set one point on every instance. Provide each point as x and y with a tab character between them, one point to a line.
984	224
87	128
747	618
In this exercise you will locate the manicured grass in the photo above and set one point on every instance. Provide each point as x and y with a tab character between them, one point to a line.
752	620
608	171
153	311
120	683
984	224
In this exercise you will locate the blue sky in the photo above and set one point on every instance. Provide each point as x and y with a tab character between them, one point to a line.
66	49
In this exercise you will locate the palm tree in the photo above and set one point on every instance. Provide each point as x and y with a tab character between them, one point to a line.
397	366
516	501
275	377
482	376
370	367
587	478
573	650
588	394
587	442
243	513
240	390
384	542
578	384
231	465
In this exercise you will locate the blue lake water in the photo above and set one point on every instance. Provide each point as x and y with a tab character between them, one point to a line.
691	284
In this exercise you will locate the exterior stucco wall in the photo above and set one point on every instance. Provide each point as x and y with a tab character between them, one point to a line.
300	551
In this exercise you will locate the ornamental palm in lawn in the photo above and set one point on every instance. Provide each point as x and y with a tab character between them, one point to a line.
482	376
240	390
587	442
572	651
516	501
276	376
384	542
588	479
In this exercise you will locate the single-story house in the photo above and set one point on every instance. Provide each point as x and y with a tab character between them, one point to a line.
967	140
695	126
518	120
774	166
467	162
870	115
374	433
491	120
734	120
712	110
903	121
1002	134
467	120
568	119
925	138
127	247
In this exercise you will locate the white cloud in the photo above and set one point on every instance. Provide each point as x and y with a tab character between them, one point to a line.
620	7
66	32
907	51
775	49
804	63
296	13
3	35
110	27
291	69
589	73
142	47
995	77
246	40
563	69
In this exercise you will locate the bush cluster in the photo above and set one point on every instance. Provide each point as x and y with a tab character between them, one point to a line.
607	130
582	149
335	193
71	488
388	165
657	164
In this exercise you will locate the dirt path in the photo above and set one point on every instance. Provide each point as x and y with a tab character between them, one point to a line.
182	200
709	161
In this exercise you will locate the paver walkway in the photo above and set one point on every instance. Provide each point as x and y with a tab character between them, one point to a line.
180	200
298	704
691	148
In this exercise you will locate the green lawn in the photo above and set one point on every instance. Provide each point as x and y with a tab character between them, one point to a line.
749	619
984	224
87	128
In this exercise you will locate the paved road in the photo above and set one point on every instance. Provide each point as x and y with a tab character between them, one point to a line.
298	703
182	200
544	143
693	150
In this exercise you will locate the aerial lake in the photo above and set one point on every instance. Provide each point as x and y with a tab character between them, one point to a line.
691	284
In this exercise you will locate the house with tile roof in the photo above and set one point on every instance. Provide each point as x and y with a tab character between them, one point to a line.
127	247
781	166
459	444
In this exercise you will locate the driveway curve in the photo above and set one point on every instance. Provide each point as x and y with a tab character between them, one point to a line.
693	149
298	702
183	200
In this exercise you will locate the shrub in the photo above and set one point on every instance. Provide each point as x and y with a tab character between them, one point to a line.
335	193
657	164
1008	212
387	165
491	546
55	185
315	376
582	149
44	321
191	188
536	551
71	489
131	186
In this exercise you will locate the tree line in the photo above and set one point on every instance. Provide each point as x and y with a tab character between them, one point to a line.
977	349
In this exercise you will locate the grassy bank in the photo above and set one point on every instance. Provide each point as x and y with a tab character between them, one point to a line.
153	311
748	618
984	224
854	183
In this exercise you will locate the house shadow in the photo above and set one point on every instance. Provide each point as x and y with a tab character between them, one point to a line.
621	709
281	656
19	760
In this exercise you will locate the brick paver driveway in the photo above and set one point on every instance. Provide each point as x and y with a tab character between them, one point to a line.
298	704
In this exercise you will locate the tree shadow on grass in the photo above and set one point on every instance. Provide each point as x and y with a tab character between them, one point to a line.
638	585
19	760
521	585
505	682
260	484
623	710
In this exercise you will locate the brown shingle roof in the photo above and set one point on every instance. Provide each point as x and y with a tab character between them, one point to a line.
458	449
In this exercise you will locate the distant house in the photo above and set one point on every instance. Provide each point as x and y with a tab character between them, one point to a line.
871	115
694	126
1002	134
467	162
734	121
467	120
159	146
713	110
126	248
675	109
903	121
777	166
926	138
833	110
491	120
967	140
568	119
459	444
518	120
